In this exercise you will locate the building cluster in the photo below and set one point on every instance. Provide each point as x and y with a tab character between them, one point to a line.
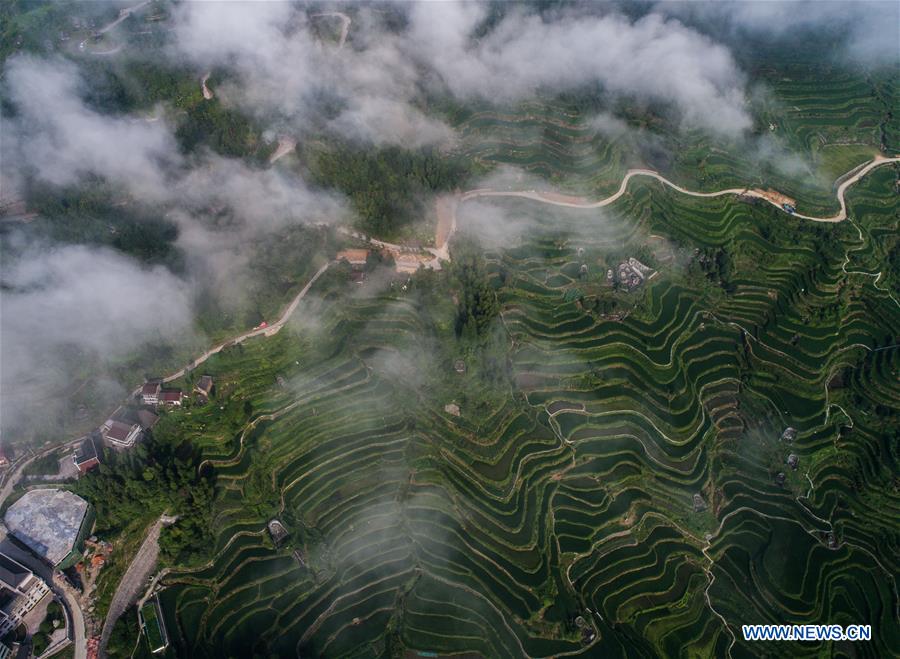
20	592
405	261
51	524
357	259
631	273
127	425
153	395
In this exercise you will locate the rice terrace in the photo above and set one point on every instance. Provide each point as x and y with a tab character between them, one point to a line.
424	341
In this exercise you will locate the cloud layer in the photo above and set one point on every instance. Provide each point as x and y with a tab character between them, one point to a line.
380	77
66	307
652	58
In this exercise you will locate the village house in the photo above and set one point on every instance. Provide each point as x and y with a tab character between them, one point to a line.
203	389
171	397
355	257
86	456
406	263
147	419
150	393
119	434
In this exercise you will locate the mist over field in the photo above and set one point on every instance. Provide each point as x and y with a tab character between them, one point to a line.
500	328
378	85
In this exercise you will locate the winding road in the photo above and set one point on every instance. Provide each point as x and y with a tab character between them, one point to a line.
268	330
142	565
573	202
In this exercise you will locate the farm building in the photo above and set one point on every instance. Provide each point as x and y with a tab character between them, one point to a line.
20	591
204	385
51	523
204	388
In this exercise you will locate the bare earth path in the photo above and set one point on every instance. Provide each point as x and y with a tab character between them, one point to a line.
132	584
269	330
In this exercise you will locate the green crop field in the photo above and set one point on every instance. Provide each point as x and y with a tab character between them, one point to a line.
619	431
611	486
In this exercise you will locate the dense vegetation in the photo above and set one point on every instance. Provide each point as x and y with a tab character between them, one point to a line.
389	186
569	485
93	214
519	455
157	476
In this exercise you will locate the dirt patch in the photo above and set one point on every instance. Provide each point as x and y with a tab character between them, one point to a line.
285	146
776	197
445	207
207	92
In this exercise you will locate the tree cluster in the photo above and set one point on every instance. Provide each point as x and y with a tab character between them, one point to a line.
715	263
387	186
152	478
92	214
478	305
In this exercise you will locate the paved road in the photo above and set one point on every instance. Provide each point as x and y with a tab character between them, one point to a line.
68	596
133	581
14	474
558	200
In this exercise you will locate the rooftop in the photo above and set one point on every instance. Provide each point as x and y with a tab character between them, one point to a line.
13	574
147	419
87	450
118	431
205	383
48	522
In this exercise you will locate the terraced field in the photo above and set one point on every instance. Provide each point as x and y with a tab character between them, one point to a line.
811	127
557	513
616	481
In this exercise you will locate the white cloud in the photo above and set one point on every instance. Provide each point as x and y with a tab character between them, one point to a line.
651	58
60	138
94	303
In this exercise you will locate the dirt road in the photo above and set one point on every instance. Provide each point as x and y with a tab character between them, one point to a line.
123	14
133	581
560	200
285	146
270	330
204	88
